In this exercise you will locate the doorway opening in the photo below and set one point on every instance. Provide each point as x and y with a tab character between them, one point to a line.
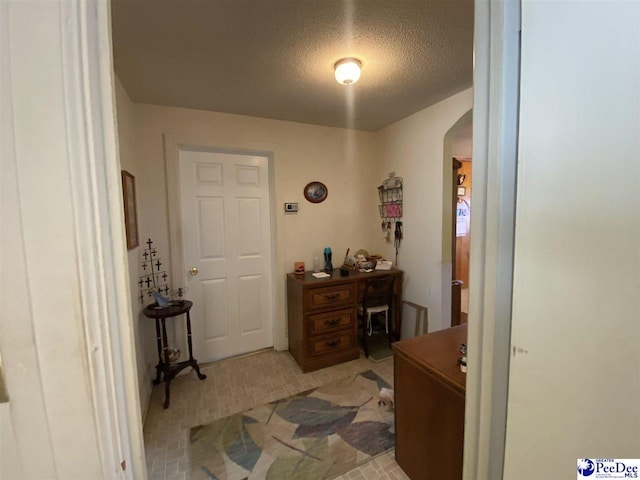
463	231
456	217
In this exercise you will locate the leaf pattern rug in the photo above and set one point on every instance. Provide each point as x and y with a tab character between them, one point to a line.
318	434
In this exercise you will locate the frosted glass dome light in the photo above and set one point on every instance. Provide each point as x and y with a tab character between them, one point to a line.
348	71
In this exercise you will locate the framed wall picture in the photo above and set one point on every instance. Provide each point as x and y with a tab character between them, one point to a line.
130	209
315	192
462	191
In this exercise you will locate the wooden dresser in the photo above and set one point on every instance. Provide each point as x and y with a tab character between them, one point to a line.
429	404
323	316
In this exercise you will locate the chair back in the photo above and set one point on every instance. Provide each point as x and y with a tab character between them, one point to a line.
378	291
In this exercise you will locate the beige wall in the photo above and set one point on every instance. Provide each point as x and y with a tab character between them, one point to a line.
351	163
345	160
574	383
127	143
414	149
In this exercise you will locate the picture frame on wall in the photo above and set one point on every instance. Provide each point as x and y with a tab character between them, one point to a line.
315	192
130	209
462	191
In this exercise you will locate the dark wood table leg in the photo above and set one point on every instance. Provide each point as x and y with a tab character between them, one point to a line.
167	393
165	342
194	363
166	366
159	343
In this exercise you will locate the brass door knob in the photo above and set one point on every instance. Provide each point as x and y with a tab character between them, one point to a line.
193	271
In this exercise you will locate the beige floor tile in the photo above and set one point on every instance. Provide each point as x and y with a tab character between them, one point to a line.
236	385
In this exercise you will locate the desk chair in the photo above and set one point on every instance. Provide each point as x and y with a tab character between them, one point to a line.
377	298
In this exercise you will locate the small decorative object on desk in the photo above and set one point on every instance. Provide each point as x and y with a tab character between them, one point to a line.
462	361
328	266
384	265
299	268
350	262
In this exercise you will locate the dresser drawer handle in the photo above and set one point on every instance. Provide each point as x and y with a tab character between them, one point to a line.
331	323
332	296
333	343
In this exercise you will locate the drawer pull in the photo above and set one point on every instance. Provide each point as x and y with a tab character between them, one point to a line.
333	343
332	323
332	296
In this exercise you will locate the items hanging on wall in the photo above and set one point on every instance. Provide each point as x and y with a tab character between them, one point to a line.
390	193
154	277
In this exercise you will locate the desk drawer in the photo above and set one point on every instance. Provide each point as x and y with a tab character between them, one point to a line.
331	343
330	296
320	323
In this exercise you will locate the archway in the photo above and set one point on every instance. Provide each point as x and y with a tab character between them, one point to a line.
457	141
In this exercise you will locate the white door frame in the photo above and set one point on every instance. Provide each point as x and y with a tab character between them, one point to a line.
495	133
172	144
59	87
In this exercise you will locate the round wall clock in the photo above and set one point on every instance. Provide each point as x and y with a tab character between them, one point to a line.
315	192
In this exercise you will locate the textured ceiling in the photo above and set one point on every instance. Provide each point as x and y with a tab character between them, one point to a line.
274	58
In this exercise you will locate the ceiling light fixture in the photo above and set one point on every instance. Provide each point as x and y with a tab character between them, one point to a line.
348	70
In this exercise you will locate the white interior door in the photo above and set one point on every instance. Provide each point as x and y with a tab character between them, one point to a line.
226	233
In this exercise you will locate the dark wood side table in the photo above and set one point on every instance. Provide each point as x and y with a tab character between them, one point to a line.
165	370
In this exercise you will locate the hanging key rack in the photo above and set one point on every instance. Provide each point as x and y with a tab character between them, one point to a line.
390	193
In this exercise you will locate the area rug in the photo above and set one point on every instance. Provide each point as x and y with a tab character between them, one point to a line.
318	434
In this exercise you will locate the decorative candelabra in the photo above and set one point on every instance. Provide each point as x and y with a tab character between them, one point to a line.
154	281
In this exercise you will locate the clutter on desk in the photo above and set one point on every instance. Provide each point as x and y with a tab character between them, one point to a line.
321	275
363	262
384	265
299	268
391	195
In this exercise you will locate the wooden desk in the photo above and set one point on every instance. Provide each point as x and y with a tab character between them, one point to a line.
429	404
323	316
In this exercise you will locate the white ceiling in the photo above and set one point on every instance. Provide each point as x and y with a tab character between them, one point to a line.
274	58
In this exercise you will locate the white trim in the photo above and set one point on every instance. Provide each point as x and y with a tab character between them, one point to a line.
495	123
98	213
172	145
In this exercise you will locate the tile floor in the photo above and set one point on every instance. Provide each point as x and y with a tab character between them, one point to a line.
236	385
